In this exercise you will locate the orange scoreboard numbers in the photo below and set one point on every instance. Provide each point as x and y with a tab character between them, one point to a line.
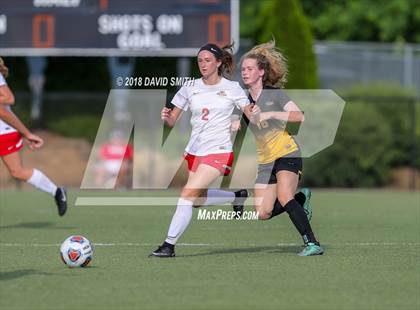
156	28
219	29
43	31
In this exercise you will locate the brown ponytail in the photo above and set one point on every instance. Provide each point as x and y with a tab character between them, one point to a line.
3	69
227	67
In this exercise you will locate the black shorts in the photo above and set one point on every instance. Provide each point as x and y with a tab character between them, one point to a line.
267	172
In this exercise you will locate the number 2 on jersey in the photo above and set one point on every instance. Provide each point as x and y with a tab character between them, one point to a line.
205	112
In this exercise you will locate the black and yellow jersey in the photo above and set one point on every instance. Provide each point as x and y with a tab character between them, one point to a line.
272	138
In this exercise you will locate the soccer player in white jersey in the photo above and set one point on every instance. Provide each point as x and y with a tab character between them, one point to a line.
209	155
12	133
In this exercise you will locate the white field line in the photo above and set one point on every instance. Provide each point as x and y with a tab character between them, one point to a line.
129	244
125	201
134	244
134	201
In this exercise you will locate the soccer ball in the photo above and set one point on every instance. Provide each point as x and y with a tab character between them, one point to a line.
76	251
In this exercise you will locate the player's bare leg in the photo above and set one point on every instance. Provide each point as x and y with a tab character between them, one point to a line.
264	197
196	186
213	196
13	163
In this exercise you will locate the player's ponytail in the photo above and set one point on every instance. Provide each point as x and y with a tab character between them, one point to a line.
228	66
269	58
3	69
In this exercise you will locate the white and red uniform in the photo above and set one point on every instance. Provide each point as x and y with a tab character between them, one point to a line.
10	139
112	154
211	107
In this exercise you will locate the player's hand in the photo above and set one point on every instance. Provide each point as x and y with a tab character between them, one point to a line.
255	110
255	113
35	142
165	114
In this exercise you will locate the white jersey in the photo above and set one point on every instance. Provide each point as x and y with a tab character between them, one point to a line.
4	127
211	107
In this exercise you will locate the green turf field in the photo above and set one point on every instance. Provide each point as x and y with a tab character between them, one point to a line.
372	258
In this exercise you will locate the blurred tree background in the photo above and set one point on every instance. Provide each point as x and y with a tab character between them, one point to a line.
285	22
364	20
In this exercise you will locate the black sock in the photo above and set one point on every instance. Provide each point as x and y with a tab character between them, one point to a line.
277	209
300	197
300	220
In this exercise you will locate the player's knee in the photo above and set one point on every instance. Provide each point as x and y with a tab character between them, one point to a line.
264	215
284	199
199	202
190	194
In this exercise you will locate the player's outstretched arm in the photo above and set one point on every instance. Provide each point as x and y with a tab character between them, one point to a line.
292	114
10	118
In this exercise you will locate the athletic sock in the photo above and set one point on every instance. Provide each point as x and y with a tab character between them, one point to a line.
300	220
277	209
180	220
218	197
300	197
42	182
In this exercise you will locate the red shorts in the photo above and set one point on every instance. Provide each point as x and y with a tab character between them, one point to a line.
222	162
10	143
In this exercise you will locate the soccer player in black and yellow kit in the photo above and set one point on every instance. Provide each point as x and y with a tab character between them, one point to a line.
263	71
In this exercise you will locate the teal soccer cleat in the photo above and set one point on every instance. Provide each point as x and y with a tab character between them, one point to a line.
311	249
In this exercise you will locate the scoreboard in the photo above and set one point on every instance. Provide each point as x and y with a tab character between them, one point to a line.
115	27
